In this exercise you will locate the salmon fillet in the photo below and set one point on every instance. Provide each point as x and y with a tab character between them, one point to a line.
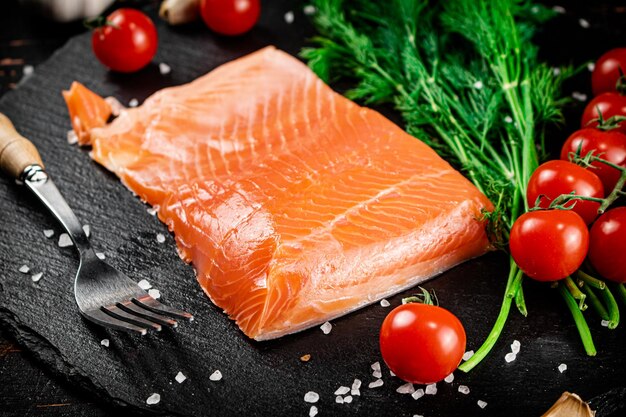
294	204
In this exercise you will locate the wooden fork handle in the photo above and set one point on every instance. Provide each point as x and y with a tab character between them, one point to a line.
16	152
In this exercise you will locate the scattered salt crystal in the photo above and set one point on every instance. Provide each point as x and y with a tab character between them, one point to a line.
481	404
105	342
508	119
510	357
144	284
313	411
153	399
37	276
342	390
377	374
289	17
375	366
431	389
562	368
467	355
311	397
556	71
417	415
418	394
48	233
407	388
100	255
384	303
72	138
160	238
164	69
64	240
584	23
355	392
604	323
326	327
591	66
28	70
133	102
376	384
347	399
309	10
24	269
515	346
356	384
391	373
559	9
478	85
154	294
180	377
87	230
464	389
577	95
216	376
449	378
151	211
339	399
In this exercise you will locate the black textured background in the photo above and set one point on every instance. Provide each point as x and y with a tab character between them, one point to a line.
259	378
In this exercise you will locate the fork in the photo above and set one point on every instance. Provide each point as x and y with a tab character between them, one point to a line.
103	294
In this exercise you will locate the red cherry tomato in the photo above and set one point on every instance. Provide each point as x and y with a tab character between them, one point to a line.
607	71
554	178
610	104
609	145
422	343
230	17
607	245
127	42
549	244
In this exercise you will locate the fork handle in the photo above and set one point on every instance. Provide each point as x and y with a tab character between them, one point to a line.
16	152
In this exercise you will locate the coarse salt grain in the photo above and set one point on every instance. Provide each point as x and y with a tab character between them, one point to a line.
591	66
339	399
377	374
326	327
562	368
418	394
464	389
311	397
356	384
156	294
180	377
508	119
417	415
100	255
584	23
515	346
48	233
375	366
342	390
151	211
133	102
160	237
392	373
72	137
289	17
355	392
577	95
604	323
28	70
559	9
481	404
509	357
407	388
64	240
144	284
164	69
216	376
376	384
467	355
556	71
105	342
313	411
347	399
449	378
384	303
24	269
309	10
431	389
153	399
478	85
36	277
87	230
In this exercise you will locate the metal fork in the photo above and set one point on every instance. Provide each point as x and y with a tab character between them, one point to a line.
103	294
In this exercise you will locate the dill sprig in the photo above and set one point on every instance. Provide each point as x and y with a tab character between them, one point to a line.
465	76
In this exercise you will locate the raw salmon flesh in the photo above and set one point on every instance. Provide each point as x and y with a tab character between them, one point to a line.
294	204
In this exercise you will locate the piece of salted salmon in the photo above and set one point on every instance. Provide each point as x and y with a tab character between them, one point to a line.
294	204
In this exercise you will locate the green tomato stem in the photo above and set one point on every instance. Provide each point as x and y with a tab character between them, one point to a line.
621	293
595	302
520	301
611	304
579	319
576	293
514	282
589	280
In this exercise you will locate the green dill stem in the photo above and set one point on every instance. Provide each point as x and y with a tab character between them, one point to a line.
575	291
611	304
513	283
621	293
589	280
520	302
595	302
579	319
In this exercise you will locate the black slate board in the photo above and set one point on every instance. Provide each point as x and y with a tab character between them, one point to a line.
259	378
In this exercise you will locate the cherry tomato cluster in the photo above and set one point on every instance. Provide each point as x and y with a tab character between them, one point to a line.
552	243
126	41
